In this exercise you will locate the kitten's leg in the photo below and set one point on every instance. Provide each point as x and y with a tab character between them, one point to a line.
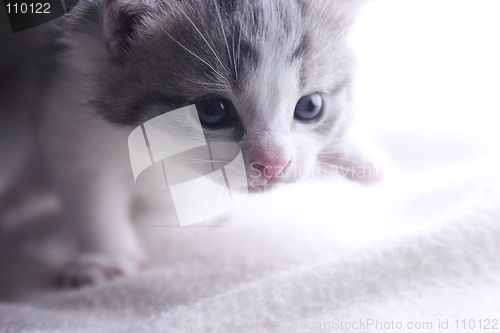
88	159
101	220
26	202
357	158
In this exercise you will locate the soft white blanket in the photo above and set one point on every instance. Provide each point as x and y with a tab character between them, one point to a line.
424	247
419	250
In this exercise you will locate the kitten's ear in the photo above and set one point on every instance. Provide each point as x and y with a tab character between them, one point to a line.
120	23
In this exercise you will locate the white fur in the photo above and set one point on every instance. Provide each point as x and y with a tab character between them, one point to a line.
88	159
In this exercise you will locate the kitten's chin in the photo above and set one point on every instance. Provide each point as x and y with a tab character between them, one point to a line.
263	186
256	189
291	175
260	185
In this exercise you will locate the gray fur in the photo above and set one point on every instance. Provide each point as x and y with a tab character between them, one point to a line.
185	50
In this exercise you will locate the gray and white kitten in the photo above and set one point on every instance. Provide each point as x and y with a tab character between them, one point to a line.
272	76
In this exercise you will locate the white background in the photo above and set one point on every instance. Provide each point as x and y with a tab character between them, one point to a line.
429	71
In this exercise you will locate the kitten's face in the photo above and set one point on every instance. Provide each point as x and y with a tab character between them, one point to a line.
271	76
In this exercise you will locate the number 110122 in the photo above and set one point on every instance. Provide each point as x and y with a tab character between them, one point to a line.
32	8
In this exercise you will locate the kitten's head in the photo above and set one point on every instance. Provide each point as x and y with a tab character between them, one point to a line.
271	76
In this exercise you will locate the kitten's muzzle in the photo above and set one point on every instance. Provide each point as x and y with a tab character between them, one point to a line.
271	168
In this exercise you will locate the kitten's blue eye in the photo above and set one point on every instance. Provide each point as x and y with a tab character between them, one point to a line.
309	107
213	111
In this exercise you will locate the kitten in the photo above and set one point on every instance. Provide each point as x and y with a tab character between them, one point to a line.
273	76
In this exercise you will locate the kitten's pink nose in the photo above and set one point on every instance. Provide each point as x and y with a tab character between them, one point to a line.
270	168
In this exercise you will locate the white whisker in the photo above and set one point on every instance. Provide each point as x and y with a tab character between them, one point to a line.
238	48
194	54
210	84
206	41
222	28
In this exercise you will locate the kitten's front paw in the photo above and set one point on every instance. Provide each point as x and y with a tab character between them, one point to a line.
92	269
